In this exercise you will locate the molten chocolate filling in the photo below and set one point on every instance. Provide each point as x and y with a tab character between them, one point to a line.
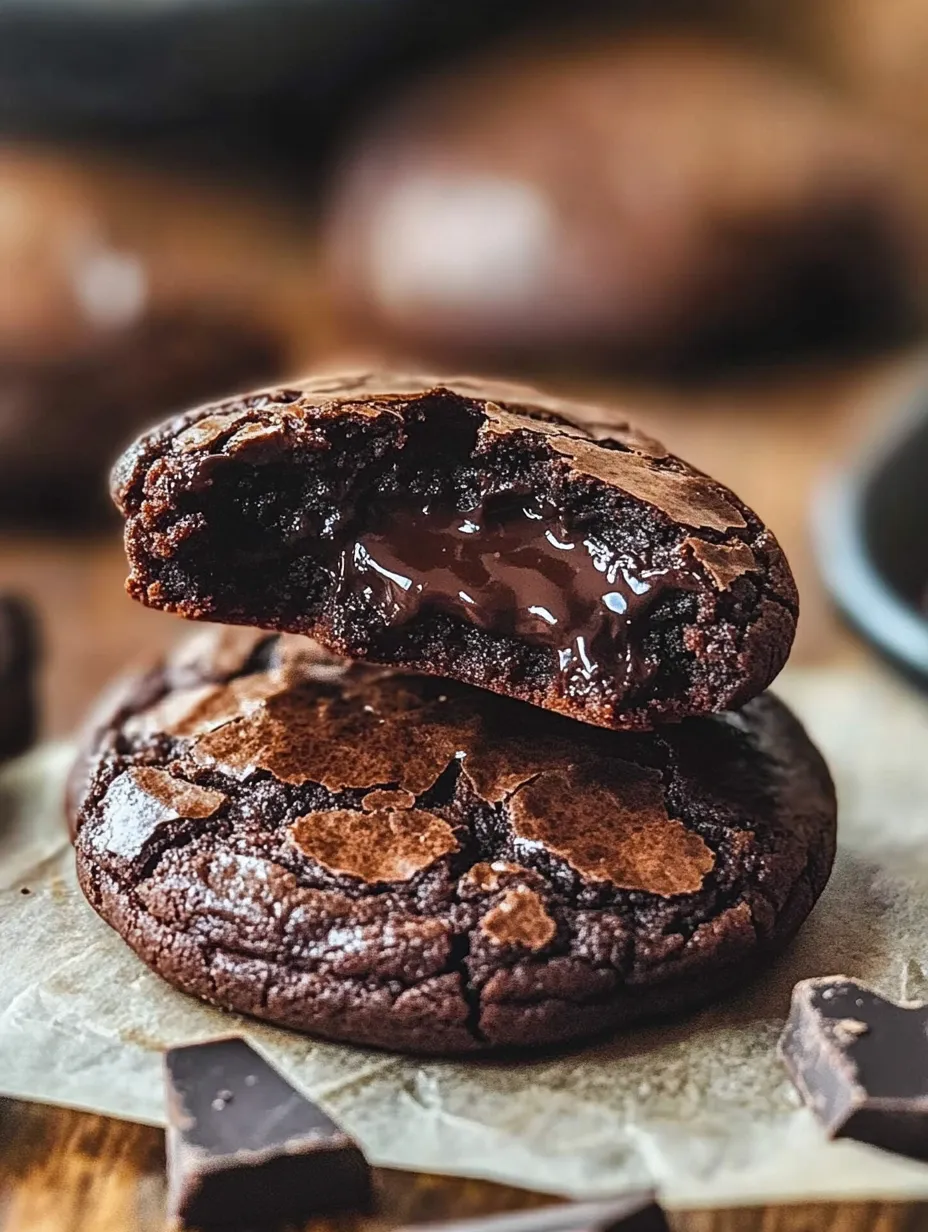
513	569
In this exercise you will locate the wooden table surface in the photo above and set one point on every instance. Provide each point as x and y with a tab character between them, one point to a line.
770	438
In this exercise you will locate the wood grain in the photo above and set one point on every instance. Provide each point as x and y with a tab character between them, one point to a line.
64	1171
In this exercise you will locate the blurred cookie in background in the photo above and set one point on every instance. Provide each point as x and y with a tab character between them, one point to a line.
19	652
123	296
63	421
660	201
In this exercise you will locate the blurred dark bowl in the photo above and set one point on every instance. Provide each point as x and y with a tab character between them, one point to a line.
871	530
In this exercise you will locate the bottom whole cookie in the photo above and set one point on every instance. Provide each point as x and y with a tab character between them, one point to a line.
405	862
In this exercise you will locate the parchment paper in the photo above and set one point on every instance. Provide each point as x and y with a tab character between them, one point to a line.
701	1108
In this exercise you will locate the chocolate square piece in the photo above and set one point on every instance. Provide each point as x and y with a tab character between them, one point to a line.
246	1148
860	1062
636	1211
19	651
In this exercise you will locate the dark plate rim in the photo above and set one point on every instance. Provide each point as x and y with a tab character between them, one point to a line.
840	543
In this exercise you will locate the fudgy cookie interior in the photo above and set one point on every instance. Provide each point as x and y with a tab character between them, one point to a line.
511	552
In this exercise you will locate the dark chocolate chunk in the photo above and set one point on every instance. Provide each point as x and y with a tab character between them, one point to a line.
406	862
19	651
860	1062
637	1211
468	532
245	1148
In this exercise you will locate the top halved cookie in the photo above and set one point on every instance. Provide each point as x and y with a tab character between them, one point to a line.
480	532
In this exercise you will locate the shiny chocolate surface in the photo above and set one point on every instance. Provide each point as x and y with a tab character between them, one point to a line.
511	567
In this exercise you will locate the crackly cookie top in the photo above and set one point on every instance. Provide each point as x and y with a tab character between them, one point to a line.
385	775
591	442
395	859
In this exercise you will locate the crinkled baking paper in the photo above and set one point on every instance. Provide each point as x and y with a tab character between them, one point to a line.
702	1108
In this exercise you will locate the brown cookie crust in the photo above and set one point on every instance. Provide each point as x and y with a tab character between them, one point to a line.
403	862
246	513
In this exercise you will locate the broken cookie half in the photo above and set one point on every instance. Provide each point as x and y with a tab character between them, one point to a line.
488	535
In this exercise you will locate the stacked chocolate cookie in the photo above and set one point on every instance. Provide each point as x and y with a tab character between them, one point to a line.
121	313
522	786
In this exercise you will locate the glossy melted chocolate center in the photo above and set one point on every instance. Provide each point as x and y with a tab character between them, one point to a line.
513	569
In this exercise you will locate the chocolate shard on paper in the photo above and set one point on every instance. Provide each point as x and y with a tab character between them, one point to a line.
245	1148
635	1211
860	1062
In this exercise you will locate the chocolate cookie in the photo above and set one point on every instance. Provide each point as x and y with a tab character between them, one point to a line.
18	655
63	422
658	201
399	861
116	315
468	532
